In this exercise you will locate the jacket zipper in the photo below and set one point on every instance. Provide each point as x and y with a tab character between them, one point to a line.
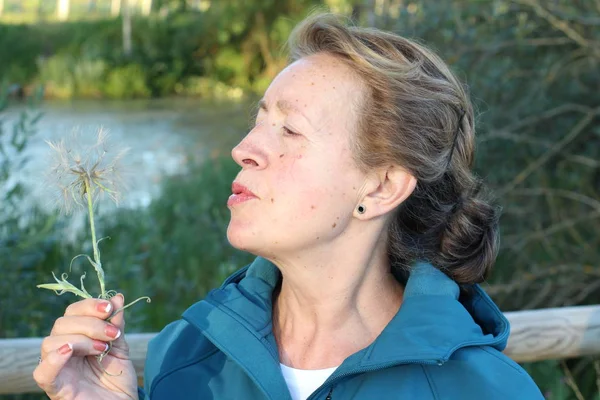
329	394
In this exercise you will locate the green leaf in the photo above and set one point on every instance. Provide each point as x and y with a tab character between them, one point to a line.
62	286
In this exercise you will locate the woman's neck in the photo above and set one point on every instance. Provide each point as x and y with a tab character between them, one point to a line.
324	313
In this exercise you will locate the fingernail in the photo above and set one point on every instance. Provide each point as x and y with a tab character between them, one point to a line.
65	348
112	331
104	306
100	346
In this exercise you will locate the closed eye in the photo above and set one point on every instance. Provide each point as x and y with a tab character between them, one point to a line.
290	132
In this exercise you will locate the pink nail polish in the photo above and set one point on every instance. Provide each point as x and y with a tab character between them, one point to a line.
112	331
65	348
104	306
100	346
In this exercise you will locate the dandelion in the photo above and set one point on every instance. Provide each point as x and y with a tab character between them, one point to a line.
82	174
75	165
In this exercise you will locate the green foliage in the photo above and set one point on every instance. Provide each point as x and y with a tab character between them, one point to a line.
18	62
88	76
232	43
229	65
75	40
29	239
56	76
13	143
127	82
63	76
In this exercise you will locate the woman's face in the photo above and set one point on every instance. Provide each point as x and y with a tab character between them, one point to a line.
298	163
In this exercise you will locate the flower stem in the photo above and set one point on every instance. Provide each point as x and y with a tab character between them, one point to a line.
98	264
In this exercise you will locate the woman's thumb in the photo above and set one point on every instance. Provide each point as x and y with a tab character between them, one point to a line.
47	371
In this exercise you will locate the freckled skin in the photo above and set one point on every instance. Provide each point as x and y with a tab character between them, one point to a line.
334	225
321	138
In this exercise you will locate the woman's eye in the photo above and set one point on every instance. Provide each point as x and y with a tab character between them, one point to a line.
288	131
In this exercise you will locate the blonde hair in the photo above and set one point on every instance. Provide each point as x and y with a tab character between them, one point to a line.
416	114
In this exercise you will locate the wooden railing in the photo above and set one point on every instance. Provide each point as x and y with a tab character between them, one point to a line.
546	334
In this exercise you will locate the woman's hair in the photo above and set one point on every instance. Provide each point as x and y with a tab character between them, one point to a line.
415	114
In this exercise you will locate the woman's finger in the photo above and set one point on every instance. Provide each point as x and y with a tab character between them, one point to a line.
120	348
91	308
82	345
92	327
46	373
117	302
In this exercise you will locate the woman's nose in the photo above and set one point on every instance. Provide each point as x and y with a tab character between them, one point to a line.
248	154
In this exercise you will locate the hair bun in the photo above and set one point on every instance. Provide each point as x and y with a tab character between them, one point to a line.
470	241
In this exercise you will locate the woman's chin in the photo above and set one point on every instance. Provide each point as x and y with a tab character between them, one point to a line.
241	239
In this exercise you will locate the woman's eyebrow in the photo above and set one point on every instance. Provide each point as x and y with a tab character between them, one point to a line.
262	105
285	107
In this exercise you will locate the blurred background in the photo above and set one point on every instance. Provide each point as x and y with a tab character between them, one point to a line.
177	80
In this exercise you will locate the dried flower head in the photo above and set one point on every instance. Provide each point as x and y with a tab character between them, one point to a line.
74	164
82	174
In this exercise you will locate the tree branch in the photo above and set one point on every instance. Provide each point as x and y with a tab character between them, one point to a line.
558	146
522	138
543	273
533	42
590	21
551	113
519	241
557	23
589	201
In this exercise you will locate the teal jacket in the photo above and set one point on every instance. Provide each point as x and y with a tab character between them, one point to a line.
439	346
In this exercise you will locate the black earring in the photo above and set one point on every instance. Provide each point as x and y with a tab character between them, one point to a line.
361	209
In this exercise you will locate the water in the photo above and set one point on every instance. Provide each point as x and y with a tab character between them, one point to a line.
161	134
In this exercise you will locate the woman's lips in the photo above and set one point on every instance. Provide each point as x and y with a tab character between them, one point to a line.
239	198
240	194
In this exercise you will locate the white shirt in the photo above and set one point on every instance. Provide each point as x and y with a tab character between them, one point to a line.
303	382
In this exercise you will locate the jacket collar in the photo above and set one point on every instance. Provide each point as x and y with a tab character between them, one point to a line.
434	321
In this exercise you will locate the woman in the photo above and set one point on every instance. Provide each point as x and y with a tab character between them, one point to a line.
355	192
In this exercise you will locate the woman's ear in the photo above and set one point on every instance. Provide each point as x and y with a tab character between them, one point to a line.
390	187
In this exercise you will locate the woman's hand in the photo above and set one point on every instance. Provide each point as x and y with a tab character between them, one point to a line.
69	369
